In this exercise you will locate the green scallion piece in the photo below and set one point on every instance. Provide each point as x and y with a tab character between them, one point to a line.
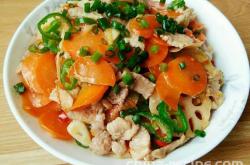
182	65
19	88
117	25
121	56
116	89
144	24
67	35
87	8
84	51
87	20
200	133
151	77
163	67
103	23
95	5
163	1
127	78
154	49
137	69
96	57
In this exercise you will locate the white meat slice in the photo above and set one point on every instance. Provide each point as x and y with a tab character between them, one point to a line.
101	143
86	115
97	125
133	40
140	144
142	85
62	97
118	98
186	16
119	147
121	128
180	41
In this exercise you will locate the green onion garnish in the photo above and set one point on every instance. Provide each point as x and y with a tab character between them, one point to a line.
84	51
95	5
144	24
137	69
87	8
19	88
141	39
200	133
163	67
87	20
151	77
116	89
163	1
117	25
154	49
103	23
96	57
67	35
127	79
182	65
121	56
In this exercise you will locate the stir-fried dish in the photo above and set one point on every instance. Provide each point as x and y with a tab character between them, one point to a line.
130	78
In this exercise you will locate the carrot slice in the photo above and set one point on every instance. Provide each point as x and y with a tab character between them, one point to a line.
167	92
39	72
147	32
89	94
158	51
191	80
36	112
100	73
51	122
95	42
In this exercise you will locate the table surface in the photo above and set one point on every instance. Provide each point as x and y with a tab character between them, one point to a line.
17	148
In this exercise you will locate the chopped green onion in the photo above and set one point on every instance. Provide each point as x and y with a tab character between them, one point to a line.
137	69
96	57
176	4
127	78
116	89
19	88
87	20
182	65
144	24
140	8
121	56
64	13
121	45
103	23
34	48
120	65
151	77
163	1
67	35
84	51
117	25
200	133
87	8
95	5
154	49
136	119
163	67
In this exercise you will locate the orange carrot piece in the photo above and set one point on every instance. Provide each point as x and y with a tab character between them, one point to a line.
36	112
159	54
89	94
100	73
95	42
168	93
51	122
190	80
39	72
147	32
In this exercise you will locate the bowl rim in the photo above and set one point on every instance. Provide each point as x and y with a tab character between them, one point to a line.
67	158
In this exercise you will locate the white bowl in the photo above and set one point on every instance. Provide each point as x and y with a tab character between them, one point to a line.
230	57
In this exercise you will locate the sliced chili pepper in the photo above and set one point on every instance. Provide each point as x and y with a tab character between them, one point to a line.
51	33
180	116
64	72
